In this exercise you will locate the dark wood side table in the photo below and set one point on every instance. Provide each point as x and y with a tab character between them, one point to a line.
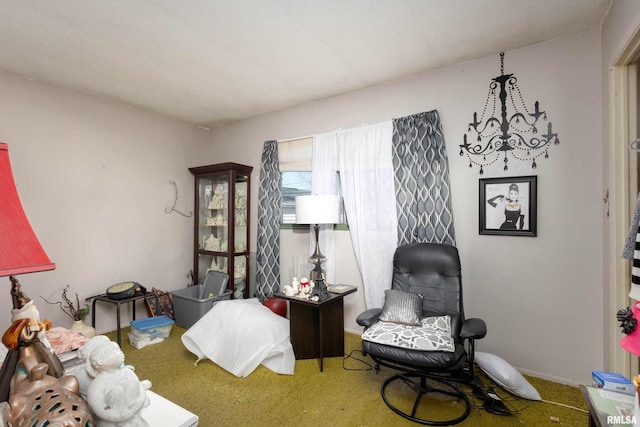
317	328
118	303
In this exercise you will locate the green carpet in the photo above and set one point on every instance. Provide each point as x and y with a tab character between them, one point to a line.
342	395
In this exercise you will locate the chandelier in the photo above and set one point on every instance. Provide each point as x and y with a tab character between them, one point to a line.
512	133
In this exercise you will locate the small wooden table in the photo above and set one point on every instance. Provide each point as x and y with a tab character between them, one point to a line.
317	327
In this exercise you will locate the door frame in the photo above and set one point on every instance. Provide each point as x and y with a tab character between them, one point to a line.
623	174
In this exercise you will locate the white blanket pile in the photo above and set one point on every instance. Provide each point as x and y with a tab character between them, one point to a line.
240	334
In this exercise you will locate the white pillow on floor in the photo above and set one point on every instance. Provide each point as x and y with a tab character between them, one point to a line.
506	375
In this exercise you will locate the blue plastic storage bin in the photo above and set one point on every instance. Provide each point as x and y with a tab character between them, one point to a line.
149	331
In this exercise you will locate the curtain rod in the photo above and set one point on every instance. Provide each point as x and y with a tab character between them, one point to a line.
294	139
298	138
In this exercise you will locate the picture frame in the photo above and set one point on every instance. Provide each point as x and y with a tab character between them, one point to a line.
508	206
159	303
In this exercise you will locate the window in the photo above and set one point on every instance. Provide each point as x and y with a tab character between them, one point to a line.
294	158
299	184
293	184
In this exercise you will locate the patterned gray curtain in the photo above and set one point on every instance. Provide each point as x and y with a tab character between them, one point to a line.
269	213
421	177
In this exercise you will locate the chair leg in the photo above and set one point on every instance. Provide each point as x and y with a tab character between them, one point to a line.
422	387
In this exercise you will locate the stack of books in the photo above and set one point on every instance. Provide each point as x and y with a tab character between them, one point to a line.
613	381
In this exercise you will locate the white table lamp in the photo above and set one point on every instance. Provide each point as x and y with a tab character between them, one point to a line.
318	209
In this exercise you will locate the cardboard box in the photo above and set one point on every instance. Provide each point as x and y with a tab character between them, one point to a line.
613	381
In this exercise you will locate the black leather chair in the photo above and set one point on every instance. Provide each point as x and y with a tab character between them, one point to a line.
433	271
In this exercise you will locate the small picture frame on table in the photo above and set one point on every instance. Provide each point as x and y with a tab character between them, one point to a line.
159	303
508	206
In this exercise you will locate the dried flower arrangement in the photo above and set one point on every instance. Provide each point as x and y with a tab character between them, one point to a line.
69	308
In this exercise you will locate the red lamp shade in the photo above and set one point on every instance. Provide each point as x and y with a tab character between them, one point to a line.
20	250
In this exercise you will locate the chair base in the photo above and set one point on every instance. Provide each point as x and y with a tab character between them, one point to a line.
421	387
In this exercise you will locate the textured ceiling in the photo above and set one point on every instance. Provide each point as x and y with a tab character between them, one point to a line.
215	62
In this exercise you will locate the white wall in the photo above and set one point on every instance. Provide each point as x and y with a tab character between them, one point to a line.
541	297
94	177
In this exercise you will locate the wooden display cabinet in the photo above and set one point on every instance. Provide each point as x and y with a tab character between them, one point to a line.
221	225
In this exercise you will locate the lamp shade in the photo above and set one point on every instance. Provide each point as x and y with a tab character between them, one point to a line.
20	250
318	209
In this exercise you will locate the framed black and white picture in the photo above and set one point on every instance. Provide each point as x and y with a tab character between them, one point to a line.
508	206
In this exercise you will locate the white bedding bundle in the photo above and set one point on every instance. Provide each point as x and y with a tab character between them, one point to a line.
238	335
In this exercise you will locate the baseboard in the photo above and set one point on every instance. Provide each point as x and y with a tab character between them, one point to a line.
549	377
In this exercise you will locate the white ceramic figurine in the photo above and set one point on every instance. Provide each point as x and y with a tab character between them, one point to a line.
115	395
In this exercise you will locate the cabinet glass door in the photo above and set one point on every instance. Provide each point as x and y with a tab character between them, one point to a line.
240	271
241	235
207	262
240	217
213	225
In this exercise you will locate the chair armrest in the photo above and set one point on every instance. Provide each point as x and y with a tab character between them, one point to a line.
369	317
473	329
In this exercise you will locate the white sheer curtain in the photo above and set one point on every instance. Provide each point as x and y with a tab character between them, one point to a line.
323	181
366	177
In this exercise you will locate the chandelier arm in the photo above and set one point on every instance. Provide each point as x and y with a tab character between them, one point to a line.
534	143
550	135
501	143
537	143
479	149
475	125
521	116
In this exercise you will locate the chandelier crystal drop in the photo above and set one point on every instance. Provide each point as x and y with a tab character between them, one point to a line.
513	131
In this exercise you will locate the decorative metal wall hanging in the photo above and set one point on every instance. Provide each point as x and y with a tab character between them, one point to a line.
170	209
512	133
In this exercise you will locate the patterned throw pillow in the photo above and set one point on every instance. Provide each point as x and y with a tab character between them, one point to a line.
401	307
433	334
